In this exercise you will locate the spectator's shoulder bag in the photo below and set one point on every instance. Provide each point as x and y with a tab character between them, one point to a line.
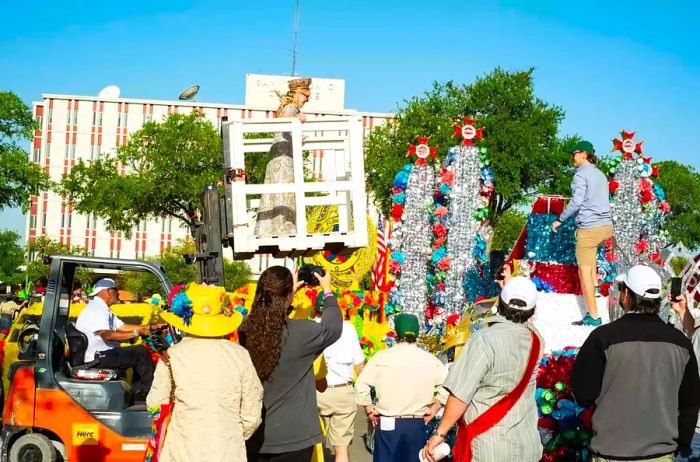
160	414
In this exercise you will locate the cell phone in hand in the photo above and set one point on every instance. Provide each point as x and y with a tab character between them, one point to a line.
306	274
497	259
676	288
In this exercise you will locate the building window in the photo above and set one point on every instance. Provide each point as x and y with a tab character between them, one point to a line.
72	152
99	119
32	221
43	219
40	121
68	114
50	115
67	150
36	156
75	116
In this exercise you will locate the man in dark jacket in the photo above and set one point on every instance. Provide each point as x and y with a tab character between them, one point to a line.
642	375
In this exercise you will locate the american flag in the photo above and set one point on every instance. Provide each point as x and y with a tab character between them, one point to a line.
379	270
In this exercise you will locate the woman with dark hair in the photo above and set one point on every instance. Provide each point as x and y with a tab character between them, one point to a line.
492	385
283	351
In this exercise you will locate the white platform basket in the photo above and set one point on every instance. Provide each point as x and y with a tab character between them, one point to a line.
339	142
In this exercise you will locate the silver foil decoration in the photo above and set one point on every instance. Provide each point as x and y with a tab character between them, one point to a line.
414	237
463	202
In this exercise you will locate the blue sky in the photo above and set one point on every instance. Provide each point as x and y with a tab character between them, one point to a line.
631	65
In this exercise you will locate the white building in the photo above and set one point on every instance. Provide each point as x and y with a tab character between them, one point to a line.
86	127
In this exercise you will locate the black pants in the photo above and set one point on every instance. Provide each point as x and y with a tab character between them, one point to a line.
136	357
302	455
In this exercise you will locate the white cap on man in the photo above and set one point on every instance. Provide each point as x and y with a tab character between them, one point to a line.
520	288
643	281
102	284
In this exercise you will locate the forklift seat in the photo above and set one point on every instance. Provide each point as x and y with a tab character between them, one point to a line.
78	368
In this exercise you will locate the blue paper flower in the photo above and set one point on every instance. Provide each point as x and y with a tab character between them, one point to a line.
399	198
398	257
182	307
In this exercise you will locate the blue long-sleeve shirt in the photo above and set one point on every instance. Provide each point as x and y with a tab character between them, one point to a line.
590	202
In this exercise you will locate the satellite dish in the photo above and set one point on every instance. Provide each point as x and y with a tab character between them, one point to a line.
109	92
189	93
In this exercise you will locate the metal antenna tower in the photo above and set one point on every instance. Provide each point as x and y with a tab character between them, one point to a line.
296	36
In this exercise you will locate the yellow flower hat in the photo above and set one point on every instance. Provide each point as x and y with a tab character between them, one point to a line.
202	310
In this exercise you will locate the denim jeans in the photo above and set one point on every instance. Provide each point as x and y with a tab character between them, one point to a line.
692	455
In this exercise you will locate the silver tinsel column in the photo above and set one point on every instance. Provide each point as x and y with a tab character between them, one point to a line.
463	202
627	212
413	237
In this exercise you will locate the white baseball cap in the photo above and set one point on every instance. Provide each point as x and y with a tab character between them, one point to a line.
643	281
102	284
520	288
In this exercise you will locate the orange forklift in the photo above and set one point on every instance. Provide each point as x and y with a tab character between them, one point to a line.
58	409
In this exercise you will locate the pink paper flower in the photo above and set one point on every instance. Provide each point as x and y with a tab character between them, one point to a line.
440	211
444	264
665	207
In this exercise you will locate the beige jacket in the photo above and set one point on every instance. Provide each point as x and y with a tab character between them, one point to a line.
218	401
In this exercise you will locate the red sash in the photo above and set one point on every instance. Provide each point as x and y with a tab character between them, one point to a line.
462	451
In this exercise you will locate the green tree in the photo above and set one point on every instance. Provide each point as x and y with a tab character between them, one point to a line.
682	186
507	230
19	178
11	258
167	166
527	157
179	271
236	274
43	247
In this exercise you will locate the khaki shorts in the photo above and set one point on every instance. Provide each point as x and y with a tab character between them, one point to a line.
337	407
587	242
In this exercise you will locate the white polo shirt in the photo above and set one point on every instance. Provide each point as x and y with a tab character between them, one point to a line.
97	316
343	355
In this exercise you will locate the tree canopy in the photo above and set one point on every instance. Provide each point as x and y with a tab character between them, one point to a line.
520	130
179	271
682	185
166	165
19	178
11	257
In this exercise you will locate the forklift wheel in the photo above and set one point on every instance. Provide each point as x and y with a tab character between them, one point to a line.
33	447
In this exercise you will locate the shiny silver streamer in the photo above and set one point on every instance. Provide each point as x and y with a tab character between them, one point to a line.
413	237
463	201
627	213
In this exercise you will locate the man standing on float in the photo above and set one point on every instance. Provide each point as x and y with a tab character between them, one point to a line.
590	204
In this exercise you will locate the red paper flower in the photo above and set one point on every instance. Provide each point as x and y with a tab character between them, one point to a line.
605	289
439	242
397	212
452	320
665	206
394	267
613	186
447	176
646	196
439	230
645	185
655	170
641	246
441	286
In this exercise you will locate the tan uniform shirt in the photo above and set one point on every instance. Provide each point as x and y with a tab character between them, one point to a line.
218	401
407	381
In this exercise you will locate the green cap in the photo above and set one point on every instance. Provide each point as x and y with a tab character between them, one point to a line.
582	145
406	324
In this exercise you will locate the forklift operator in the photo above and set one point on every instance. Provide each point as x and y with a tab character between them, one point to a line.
104	331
